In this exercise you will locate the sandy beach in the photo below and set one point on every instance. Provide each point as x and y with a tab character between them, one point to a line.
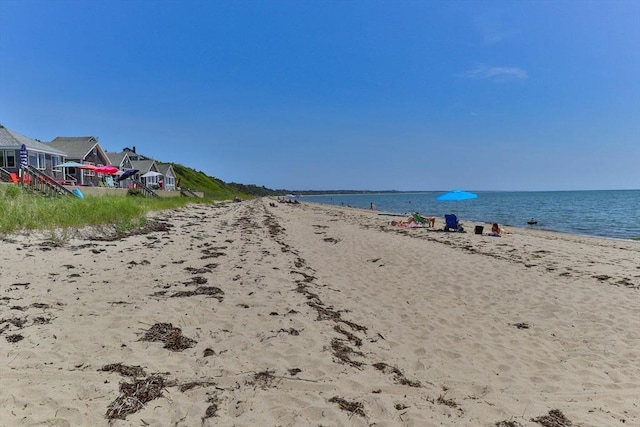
252	314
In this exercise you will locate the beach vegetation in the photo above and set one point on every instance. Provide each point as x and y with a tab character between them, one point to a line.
217	189
12	192
134	192
23	211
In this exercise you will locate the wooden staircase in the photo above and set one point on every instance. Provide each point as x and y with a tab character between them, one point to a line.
4	175
144	189
188	193
39	181
43	183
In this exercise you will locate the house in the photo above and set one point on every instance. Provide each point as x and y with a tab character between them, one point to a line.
128	158
120	160
85	150
168	176
147	172
39	155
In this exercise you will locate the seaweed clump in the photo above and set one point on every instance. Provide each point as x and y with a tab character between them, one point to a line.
168	334
353	407
133	396
555	418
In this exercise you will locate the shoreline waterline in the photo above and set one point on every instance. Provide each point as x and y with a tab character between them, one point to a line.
611	214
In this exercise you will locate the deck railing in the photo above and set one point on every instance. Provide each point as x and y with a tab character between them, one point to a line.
4	175
188	193
42	182
144	189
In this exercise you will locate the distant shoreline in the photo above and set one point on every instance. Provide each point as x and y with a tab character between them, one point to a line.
598	213
349	192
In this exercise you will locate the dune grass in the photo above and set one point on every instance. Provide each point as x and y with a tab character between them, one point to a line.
21	210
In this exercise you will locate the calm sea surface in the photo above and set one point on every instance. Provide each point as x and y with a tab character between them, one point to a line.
604	213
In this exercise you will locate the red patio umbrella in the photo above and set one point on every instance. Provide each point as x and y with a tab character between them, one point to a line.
107	170
86	167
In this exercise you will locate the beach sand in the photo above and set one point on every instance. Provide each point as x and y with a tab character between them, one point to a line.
248	314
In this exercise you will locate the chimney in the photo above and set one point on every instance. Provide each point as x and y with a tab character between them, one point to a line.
134	148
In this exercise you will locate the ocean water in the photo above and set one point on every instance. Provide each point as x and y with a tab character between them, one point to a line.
604	213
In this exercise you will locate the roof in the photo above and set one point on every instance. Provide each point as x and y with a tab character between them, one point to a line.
142	165
116	158
164	168
77	147
10	139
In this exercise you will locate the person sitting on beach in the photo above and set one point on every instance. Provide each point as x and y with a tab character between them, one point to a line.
428	220
496	231
412	221
406	223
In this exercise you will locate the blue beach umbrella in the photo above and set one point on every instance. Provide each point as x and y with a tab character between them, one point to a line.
456	196
69	165
128	173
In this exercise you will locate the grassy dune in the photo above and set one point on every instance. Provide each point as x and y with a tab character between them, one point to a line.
21	210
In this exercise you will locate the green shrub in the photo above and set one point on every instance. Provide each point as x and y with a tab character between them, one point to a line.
13	191
134	192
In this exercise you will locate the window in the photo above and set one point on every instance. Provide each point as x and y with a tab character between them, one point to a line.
11	159
37	160
42	162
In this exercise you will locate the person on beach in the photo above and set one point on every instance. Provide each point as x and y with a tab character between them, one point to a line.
413	221
496	231
428	220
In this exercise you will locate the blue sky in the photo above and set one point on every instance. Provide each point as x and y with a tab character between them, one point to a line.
375	95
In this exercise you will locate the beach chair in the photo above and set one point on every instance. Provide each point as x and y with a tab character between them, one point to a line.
452	223
15	178
109	182
430	222
418	218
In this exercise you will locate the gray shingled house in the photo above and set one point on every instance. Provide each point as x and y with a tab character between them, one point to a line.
168	176
82	149
128	158
39	155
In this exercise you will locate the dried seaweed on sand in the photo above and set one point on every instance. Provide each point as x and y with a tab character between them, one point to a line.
171	337
124	370
212	409
508	423
133	396
212	291
555	418
14	338
150	226
343	352
397	374
353	407
264	379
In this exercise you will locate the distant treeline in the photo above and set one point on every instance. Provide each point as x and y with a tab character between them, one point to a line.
323	192
218	189
263	191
